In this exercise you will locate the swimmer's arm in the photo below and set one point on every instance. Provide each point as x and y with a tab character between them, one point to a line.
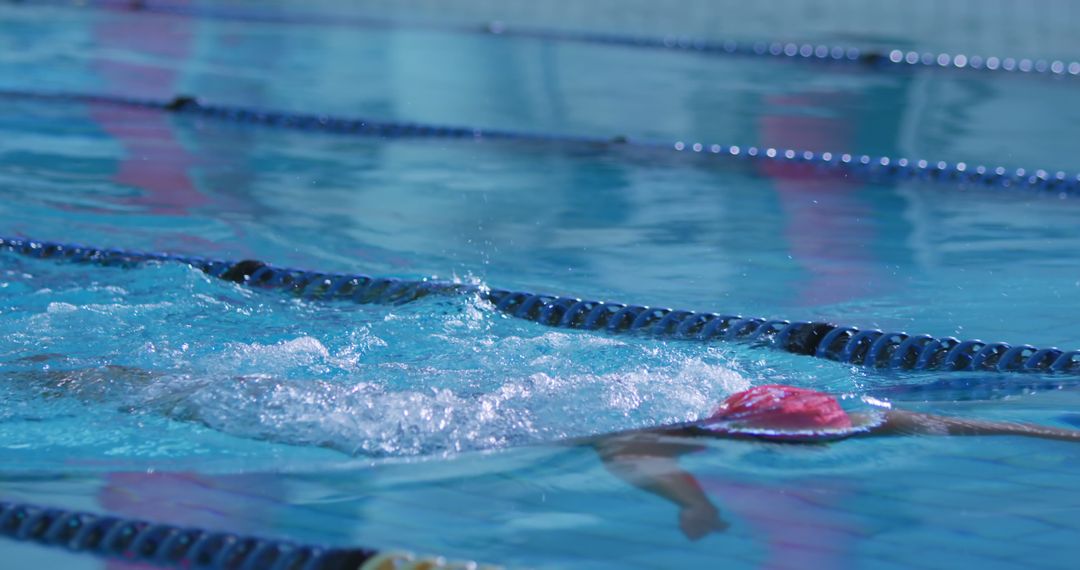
902	422
649	462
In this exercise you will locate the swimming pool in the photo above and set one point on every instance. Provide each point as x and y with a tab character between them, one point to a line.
159	393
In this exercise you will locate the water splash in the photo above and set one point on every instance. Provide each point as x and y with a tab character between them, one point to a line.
437	376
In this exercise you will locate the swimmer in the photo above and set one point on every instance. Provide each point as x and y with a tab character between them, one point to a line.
647	458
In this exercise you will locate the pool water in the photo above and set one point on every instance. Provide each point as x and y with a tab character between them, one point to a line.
161	393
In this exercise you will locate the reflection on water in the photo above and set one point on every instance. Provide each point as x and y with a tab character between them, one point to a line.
181	391
657	230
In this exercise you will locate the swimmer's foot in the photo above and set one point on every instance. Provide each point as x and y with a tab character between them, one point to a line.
698	521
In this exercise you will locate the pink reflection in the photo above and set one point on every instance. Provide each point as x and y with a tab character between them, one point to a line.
155	161
829	227
189	500
798	522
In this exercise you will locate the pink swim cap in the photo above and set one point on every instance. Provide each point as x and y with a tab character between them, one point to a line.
776	407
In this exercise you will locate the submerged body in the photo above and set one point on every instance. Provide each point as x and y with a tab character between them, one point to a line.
648	458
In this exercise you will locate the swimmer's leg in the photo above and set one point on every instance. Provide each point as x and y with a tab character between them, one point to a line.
902	422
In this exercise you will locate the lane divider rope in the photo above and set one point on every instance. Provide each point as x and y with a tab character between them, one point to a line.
874	349
169	546
886	59
865	167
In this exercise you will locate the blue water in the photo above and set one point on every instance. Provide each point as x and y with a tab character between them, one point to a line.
160	393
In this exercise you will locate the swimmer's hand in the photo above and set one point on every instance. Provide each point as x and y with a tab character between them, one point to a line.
699	520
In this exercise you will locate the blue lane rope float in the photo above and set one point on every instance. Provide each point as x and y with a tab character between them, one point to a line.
866	167
870	348
791	51
169	546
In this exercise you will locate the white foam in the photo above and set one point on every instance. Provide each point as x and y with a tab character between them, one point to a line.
364	417
57	308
